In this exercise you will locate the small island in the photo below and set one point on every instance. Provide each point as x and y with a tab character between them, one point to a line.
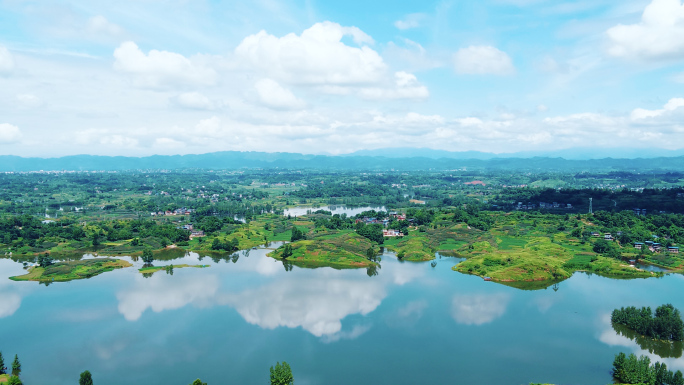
665	325
71	270
168	268
344	249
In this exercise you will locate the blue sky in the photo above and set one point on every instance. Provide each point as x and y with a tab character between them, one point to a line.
175	77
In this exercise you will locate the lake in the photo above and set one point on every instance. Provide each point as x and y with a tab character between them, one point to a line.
336	209
227	324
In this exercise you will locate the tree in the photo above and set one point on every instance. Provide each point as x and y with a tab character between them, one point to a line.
281	374
147	256
371	254
164	242
14	380
96	239
2	364
86	378
44	260
287	251
296	234
16	366
198	382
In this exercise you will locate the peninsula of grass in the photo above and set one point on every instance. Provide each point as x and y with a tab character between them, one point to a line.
154	269
344	249
540	259
72	270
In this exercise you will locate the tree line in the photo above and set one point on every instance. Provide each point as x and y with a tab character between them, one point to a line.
665	325
633	370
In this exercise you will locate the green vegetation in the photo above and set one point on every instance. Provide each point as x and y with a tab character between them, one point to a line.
339	249
86	378
281	374
71	270
633	370
198	382
666	325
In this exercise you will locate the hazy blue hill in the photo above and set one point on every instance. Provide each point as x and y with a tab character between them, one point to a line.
236	160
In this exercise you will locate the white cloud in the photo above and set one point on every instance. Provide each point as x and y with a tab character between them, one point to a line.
482	60
9	133
193	100
29	100
659	35
273	95
412	20
406	86
317	57
478	309
100	25
161	68
6	61
672	105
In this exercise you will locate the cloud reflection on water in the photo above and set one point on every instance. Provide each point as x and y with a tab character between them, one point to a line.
317	305
478	309
160	293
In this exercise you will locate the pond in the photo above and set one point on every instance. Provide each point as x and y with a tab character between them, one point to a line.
338	209
411	323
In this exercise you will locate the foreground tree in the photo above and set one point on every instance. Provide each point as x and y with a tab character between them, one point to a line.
86	378
16	366
198	382
281	374
14	380
2	364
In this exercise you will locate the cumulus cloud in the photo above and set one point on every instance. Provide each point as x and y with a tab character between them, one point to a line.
478	309
273	95
161	68
193	100
412	20
6	61
672	105
316	57
659	34
482	60
9	133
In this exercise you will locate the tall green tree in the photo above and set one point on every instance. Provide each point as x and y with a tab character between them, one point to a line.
16	366
86	378
14	380
2	364
198	382
281	374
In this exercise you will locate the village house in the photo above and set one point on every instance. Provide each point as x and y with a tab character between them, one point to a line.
392	233
673	249
638	245
196	233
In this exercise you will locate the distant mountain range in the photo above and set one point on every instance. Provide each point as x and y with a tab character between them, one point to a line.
376	160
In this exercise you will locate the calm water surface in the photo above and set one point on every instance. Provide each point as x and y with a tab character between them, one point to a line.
338	209
412	323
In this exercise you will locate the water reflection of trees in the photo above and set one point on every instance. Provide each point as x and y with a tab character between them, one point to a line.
663	349
287	265
372	270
